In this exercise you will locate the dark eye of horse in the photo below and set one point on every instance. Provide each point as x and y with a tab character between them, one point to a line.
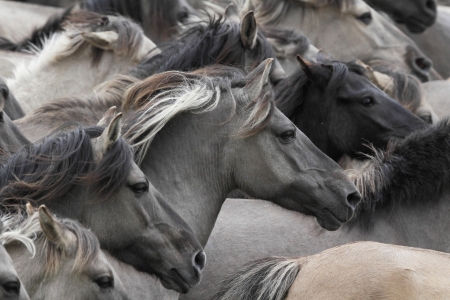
367	102
139	188
12	287
104	282
287	136
366	18
4	92
183	15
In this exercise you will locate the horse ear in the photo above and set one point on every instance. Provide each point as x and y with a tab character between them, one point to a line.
109	136
231	13
313	71
106	40
258	78
382	81
249	30
30	209
52	229
107	117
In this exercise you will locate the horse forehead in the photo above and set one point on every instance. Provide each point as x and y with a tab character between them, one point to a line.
136	174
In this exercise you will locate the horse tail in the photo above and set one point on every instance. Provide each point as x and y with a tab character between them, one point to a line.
264	279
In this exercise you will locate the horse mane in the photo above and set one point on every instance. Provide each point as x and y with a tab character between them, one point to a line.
286	36
204	43
267	278
271	11
413	170
160	15
407	88
154	101
39	35
26	229
289	92
48	170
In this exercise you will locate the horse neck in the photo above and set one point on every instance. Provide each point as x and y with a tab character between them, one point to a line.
187	162
73	75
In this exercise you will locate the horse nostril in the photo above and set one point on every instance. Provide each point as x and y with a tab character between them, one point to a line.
353	199
199	261
423	64
430	4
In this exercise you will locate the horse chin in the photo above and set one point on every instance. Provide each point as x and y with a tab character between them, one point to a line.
415	26
329	221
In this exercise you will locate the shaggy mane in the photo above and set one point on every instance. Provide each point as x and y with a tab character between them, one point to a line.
204	44
48	170
414	170
159	98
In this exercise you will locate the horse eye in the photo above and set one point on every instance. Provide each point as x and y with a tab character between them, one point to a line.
104	282
12	287
139	188
4	92
366	18
287	136
183	15
367	102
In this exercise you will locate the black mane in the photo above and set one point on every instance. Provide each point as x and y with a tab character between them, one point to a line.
48	170
202	45
39	35
414	170
289	92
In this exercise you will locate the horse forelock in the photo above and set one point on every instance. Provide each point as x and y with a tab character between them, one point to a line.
48	170
27	230
413	170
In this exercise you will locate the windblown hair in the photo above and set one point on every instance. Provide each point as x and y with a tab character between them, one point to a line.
39	35
413	170
48	170
159	17
271	11
290	92
153	102
264	279
407	88
27	230
204	44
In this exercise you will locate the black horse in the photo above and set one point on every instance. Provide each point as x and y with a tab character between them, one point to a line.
341	110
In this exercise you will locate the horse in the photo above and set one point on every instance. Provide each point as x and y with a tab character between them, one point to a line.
8	102
9	60
11	287
67	262
91	49
340	110
159	18
225	40
417	15
347	29
435	40
437	96
404	88
19	20
362	270
405	202
94	177
287	44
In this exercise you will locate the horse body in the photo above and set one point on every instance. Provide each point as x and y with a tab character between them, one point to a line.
9	60
20	19
346	29
409	205
436	93
91	50
354	271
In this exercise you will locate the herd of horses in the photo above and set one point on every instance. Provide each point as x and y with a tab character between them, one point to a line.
202	149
